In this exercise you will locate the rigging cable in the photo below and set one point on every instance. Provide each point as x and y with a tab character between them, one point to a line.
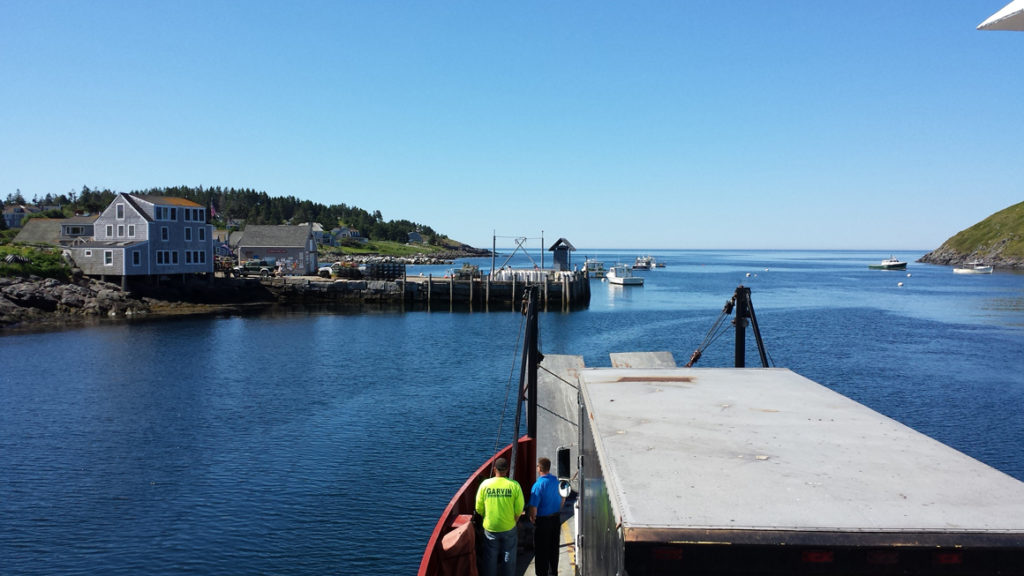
567	383
508	387
714	333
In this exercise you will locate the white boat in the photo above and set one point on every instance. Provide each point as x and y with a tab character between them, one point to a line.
594	268
889	263
621	274
975	267
643	263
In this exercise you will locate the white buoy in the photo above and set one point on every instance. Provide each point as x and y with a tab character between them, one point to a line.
748	274
908	274
900	284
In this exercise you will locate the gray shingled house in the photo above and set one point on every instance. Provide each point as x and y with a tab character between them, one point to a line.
56	231
147	236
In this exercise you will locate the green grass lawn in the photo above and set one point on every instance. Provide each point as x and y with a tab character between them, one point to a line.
387	248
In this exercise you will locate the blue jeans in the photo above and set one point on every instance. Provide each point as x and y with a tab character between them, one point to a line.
498	553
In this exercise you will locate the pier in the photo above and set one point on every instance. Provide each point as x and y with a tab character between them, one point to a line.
503	290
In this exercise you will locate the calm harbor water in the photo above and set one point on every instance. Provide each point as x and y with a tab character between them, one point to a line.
328	442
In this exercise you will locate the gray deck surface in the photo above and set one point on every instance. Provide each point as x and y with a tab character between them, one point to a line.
566	551
557	408
735	449
642	360
557	412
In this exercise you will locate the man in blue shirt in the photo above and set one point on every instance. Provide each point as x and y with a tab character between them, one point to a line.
545	511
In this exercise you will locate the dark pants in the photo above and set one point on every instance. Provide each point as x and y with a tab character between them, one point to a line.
545	544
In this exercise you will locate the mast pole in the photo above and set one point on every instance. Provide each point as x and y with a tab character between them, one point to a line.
757	333
541	249
532	361
527	376
742	303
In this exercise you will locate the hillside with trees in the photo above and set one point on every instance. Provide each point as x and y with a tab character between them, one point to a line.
245	205
997	240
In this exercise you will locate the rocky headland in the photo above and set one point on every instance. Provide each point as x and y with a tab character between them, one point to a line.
997	241
992	255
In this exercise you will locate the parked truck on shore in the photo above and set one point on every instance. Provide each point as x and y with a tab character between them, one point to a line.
261	268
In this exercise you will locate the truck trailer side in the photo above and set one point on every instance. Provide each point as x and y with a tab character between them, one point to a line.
762	471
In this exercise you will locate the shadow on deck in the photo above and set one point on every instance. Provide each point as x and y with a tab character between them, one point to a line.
566	547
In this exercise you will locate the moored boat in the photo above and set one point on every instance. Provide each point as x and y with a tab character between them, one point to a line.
975	267
890	263
644	263
594	268
621	275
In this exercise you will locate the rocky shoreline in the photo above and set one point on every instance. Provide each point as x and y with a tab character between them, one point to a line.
42	304
945	256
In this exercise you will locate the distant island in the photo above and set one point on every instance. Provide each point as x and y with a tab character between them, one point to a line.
997	241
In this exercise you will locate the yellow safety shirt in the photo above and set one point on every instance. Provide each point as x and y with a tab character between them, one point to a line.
500	501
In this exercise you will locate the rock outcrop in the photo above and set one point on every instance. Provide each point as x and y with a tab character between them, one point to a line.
997	241
35	299
44	303
993	255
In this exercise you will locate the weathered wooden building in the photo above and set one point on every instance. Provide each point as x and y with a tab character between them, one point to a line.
291	248
147	236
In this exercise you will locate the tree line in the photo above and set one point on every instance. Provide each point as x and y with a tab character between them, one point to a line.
227	206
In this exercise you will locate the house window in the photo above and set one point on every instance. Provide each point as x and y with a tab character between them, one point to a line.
110	230
202	234
108	257
174	213
188	234
158	213
131	230
165	234
136	258
188	215
188	256
120	211
88	253
120	230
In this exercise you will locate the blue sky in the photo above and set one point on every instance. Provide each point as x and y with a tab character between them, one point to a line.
698	124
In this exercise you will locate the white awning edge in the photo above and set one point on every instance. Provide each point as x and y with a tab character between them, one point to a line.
1011	17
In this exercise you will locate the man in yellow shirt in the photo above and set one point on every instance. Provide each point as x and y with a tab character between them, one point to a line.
499	500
